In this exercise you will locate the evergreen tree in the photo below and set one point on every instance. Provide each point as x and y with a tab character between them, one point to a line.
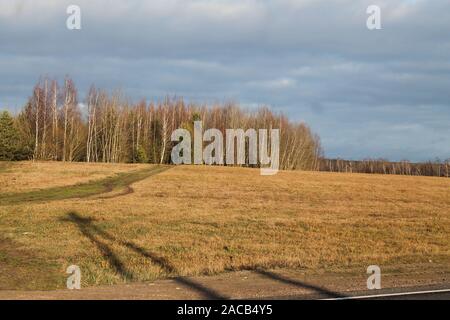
9	137
141	155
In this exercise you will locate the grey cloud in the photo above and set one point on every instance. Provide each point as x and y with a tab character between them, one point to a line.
366	93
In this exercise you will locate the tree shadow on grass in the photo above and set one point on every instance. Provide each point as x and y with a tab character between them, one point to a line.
301	284
98	237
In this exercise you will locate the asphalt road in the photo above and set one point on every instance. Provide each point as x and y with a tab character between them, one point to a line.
423	296
437	293
413	293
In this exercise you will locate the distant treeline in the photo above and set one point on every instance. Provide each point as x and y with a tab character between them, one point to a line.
107	127
437	168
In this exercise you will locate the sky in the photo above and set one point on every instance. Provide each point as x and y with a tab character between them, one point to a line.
367	93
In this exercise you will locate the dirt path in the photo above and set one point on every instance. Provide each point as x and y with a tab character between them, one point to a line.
121	181
244	285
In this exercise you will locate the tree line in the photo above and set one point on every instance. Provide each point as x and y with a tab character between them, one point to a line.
435	168
109	128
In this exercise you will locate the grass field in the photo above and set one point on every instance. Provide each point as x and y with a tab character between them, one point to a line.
123	223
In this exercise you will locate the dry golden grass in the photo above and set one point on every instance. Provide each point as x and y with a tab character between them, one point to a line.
193	220
27	175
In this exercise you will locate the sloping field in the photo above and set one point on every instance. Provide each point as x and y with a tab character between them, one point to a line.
112	184
28	176
195	220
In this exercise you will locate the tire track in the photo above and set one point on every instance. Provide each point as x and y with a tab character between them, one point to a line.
84	190
129	189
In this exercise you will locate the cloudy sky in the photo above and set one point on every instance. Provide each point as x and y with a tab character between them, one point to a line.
380	93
